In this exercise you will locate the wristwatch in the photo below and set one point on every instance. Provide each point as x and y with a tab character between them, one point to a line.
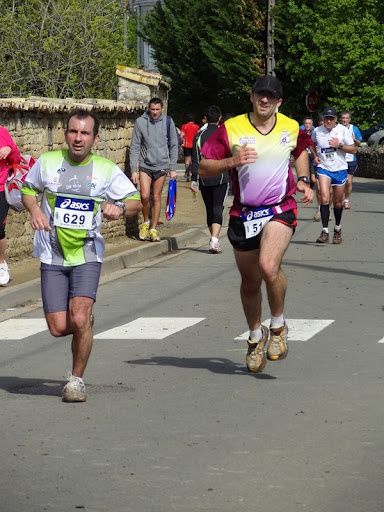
121	205
305	179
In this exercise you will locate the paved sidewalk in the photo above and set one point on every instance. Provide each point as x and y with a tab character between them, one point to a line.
187	226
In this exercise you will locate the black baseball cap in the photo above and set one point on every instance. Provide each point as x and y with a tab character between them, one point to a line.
270	84
329	112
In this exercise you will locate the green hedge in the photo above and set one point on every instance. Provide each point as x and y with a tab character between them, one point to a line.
371	162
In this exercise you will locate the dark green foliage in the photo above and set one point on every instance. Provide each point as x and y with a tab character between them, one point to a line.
336	48
63	48
211	50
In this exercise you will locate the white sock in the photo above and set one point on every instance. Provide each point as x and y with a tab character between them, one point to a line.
214	239
277	321
326	230
337	228
256	335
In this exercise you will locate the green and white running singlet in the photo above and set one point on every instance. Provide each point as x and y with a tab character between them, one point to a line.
72	198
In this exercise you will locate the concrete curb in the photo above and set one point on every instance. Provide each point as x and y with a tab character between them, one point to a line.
23	294
149	250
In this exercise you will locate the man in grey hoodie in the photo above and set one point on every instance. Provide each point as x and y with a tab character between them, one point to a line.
153	156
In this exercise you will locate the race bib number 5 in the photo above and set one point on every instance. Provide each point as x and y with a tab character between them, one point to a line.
73	213
255	219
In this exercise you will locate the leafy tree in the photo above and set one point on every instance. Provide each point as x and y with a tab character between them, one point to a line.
335	47
63	48
212	51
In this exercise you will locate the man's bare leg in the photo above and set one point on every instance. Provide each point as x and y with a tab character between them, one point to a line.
78	322
274	243
80	310
157	189
145	194
250	287
250	292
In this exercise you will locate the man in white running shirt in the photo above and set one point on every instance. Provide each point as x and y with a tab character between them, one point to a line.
333	141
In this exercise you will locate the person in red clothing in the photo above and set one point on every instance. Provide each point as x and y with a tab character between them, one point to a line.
189	130
9	154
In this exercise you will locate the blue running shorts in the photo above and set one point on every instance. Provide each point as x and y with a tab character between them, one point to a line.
338	178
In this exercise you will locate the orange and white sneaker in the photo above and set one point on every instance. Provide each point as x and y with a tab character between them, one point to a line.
278	346
256	357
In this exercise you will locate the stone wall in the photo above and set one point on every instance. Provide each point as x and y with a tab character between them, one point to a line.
371	162
38	124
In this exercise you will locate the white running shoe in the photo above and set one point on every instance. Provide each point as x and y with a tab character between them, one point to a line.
74	390
214	246
4	274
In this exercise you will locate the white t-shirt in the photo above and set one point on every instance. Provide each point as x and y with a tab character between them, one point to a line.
332	159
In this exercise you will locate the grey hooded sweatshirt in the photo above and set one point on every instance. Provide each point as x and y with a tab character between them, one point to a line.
151	148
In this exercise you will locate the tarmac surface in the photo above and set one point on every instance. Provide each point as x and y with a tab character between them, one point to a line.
173	420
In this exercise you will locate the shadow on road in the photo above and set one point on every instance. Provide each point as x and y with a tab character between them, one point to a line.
22	386
214	364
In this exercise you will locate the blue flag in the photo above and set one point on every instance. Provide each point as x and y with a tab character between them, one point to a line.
171	199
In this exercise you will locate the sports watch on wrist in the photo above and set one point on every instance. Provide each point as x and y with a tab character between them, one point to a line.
121	205
305	179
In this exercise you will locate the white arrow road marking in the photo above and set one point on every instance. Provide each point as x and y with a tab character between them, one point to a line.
149	328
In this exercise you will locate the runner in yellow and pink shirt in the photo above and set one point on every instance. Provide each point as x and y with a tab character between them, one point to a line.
257	148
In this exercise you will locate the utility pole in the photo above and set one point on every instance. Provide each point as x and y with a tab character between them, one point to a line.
270	39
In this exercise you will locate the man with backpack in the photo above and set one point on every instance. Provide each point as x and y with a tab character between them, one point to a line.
153	156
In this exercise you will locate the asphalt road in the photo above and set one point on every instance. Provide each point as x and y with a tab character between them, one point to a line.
175	422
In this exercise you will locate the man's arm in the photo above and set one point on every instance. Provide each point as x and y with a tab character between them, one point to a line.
194	168
9	150
357	135
127	208
302	170
134	153
38	219
173	146
243	155
348	148
345	143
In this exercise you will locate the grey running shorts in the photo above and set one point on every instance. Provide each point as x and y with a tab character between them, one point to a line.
60	284
154	174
